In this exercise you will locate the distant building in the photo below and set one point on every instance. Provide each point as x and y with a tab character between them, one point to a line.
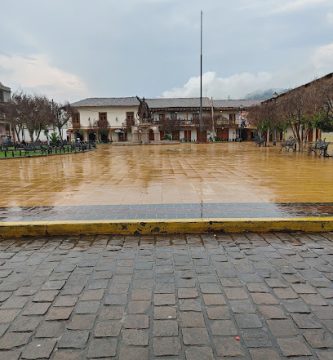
115	119
5	129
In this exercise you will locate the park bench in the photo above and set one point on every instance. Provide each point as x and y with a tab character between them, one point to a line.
289	144
319	146
260	141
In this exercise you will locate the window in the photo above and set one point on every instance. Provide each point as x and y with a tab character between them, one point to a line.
102	116
161	117
195	116
173	116
232	118
2	96
130	118
76	119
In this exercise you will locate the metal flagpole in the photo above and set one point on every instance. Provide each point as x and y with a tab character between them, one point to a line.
200	119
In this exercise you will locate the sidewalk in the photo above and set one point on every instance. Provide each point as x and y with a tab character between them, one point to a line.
254	296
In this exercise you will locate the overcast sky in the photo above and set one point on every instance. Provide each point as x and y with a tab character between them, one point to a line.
72	49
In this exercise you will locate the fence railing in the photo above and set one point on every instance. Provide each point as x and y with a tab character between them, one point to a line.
31	150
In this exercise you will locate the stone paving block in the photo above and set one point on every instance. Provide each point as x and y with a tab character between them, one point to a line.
39	348
199	353
10	355
228	347
293	347
236	293
323	312
326	293
242	306
195	336
66	300
187	293
7	316
296	306
256	338
213	299
282	328
264	299
45	296
102	348
314	299
141	294
165	328
164	299
325	355
130	353
223	327
112	312
59	313
87	307
135	337
164	346
319	339
3	328
218	312
248	321
138	307
304	288
36	309
50	329
54	285
210	288
76	339
136	322
189	305
107	328
25	323
191	319
272	312
305	321
11	340
15	302
81	322
285	293
264	354
164	312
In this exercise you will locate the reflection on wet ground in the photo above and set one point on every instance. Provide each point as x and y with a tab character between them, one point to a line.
166	211
163	181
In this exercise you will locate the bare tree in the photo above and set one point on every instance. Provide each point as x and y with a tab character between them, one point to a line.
61	115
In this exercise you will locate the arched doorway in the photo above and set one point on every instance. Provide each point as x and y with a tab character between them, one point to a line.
104	136
151	135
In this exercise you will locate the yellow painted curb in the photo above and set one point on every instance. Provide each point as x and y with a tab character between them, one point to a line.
168	226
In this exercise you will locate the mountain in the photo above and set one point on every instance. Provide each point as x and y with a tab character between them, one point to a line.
264	94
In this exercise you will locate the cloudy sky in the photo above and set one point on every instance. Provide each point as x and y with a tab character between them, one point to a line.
72	49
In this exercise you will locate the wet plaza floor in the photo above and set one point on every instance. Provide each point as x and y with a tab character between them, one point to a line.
167	181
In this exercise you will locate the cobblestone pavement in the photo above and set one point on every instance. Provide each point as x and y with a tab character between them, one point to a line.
176	297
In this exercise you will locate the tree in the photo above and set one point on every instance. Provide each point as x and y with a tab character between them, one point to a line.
61	114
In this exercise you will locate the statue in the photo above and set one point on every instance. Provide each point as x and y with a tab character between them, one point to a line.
143	111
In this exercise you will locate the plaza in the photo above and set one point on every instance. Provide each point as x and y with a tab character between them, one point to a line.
167	181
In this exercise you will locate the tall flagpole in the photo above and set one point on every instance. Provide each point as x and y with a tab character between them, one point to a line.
200	119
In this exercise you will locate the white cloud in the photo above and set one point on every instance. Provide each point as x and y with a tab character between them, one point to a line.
235	86
323	58
35	74
295	5
329	17
239	85
282	6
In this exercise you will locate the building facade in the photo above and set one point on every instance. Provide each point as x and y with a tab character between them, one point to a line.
5	130
177	119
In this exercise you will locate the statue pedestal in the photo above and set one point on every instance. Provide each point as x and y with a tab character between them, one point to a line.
143	130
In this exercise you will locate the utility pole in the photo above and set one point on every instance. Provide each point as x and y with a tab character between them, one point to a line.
200	116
